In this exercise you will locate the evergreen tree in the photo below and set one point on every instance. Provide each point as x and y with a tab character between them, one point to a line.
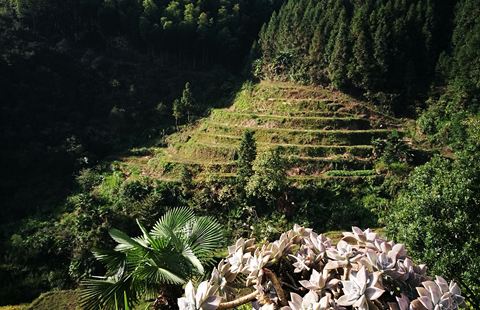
312	40
380	51
337	69
246	156
362	61
186	181
178	111
187	102
269	181
465	74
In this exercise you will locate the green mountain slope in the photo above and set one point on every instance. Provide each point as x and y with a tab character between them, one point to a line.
322	133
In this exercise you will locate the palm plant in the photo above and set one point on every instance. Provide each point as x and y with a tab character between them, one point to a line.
172	252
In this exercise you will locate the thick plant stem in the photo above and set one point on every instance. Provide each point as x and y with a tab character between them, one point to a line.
277	286
253	295
238	302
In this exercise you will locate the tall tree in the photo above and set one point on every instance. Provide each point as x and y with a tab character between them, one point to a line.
187	101
338	65
269	181
246	156
361	65
178	111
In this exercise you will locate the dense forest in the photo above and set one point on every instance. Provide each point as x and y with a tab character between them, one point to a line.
91	88
390	51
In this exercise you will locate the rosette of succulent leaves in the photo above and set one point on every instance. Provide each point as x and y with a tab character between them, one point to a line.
304	270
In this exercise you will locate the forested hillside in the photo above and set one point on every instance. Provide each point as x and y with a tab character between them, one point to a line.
120	117
389	51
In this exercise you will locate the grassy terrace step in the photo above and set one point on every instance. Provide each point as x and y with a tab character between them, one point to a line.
304	179
298	136
274	94
356	176
302	105
228	151
300	122
296	164
175	163
298	113
313	165
353	173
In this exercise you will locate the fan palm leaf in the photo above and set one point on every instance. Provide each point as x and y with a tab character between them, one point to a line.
173	251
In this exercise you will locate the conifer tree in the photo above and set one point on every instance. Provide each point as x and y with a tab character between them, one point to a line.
186	181
246	155
466	49
337	69
187	101
362	60
269	179
380	51
178	111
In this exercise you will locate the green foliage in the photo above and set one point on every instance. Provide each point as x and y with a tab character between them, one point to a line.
388	48
465	57
178	111
437	218
88	179
187	102
247	152
391	150
269	180
449	120
340	173
111	186
186	180
174	250
270	227
136	189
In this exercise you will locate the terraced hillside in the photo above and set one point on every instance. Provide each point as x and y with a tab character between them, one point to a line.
322	133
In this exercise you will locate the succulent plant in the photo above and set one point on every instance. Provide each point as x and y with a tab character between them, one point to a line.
310	301
438	295
360	289
304	259
363	271
202	298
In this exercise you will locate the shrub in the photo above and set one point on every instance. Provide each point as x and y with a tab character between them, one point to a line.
363	271
87	179
392	149
136	189
437	217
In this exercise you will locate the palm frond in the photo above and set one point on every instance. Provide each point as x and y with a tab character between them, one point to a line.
160	243
112	260
176	249
125	243
146	234
171	221
125	301
102	293
151	272
205	236
188	254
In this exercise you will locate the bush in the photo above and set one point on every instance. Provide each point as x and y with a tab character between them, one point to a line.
392	150
437	217
87	179
136	189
